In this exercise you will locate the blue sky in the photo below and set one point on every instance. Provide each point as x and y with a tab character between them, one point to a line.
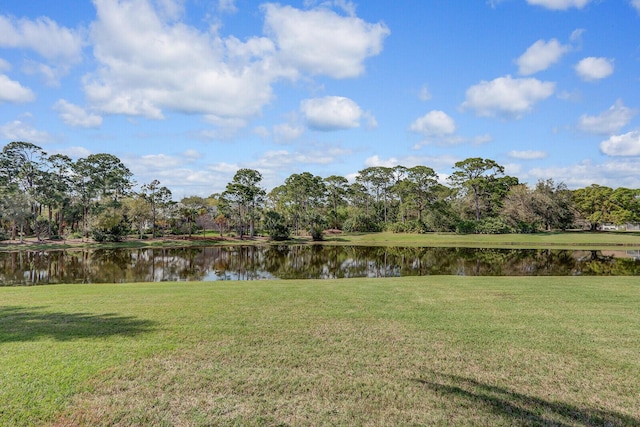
189	91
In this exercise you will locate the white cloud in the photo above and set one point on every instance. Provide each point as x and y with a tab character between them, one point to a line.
608	122
171	9
287	132
331	113
627	144
506	96
576	35
227	6
74	152
613	173
225	127
636	4
59	45
43	36
528	154
425	94
371	121
149	64
540	56
76	116
12	91
320	41
192	155
433	124
559	4
18	130
592	68
261	131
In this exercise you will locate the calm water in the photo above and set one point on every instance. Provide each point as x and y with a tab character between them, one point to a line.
301	262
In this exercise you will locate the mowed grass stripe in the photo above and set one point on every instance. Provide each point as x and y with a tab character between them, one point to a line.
407	351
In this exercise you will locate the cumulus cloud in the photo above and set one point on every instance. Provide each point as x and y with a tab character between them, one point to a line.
592	68
18	130
559	4
61	46
76	116
433	124
13	91
179	172
320	41
331	113
540	56
608	122
42	35
627	144
528	154
506	96
149	64
636	4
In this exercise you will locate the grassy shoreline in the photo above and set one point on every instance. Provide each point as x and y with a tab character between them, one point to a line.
435	350
557	240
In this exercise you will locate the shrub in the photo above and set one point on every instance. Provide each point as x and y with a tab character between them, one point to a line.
275	226
493	226
362	223
466	227
413	226
108	227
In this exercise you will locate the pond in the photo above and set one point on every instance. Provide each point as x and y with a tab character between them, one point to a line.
301	262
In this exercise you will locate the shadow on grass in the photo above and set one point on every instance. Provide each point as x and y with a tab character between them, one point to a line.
34	323
521	409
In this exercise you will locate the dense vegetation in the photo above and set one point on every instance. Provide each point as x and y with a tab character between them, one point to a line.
53	196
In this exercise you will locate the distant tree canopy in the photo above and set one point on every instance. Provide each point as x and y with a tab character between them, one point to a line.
93	197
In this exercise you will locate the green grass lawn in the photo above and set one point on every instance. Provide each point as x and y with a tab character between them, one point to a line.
559	240
409	351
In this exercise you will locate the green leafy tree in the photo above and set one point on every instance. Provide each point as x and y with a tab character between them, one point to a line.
422	186
137	209
158	197
595	204
99	181
302	199
626	205
243	197
519	209
190	209
15	207
553	204
336	194
275	225
476	176
379	182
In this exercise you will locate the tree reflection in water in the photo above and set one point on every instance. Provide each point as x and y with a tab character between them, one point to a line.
300	262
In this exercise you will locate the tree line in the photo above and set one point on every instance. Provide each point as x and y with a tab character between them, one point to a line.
55	197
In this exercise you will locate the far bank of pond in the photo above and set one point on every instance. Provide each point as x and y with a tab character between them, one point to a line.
256	262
